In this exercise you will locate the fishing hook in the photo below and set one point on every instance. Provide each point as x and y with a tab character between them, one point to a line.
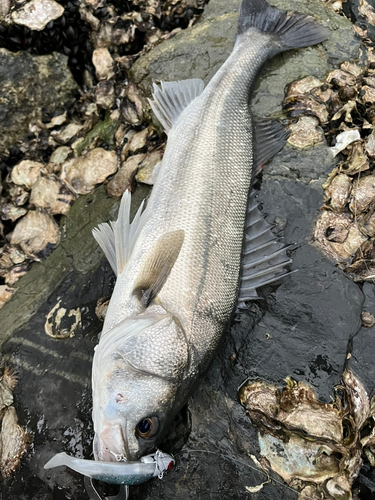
123	494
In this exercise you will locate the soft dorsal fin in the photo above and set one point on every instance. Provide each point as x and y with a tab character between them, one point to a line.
158	265
172	98
269	138
117	239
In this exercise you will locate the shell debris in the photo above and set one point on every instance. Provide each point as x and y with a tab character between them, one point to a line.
14	440
315	447
342	110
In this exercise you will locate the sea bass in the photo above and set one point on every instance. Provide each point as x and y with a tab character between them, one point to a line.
198	247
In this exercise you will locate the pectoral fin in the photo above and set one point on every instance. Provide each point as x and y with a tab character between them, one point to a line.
158	265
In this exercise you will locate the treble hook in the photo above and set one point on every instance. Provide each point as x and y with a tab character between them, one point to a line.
123	494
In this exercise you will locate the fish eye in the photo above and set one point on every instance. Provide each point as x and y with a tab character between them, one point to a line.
147	427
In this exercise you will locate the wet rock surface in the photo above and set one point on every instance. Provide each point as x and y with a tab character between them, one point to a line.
302	328
29	83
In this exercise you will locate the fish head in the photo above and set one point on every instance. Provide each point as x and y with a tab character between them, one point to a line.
137	374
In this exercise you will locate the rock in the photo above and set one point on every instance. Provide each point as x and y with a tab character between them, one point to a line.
103	62
148	168
60	155
136	141
339	191
133	105
363	194
124	178
52	194
29	83
26	173
105	94
37	234
67	133
361	359
84	173
338	236
14	442
9	211
305	133
36	14
6	293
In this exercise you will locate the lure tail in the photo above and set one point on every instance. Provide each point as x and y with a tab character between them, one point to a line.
290	29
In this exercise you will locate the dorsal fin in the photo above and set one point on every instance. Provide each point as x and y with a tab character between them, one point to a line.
117	239
158	265
269	138
172	98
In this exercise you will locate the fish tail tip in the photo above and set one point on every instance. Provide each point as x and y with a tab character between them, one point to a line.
294	30
56	461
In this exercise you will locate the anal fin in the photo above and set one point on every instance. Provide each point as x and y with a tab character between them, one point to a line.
157	266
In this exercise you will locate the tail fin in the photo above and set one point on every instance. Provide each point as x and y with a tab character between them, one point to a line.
293	29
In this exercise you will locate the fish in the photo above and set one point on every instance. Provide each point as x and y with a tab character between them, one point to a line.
199	248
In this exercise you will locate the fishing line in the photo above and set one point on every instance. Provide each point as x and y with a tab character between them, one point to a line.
250	466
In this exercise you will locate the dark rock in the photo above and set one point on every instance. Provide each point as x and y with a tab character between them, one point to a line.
27	84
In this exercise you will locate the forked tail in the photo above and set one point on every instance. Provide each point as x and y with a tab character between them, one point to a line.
291	29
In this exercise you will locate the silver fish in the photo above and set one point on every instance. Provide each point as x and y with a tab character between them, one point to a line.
179	263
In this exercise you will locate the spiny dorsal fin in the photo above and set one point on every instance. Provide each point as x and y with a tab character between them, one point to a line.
158	265
264	259
117	239
269	138
172	98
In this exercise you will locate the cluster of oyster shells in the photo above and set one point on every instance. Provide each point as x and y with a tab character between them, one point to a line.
315	447
105	137
342	109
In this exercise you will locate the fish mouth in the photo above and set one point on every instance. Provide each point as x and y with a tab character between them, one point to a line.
114	444
110	445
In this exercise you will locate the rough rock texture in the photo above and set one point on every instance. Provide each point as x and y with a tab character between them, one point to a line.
36	14
302	328
27	84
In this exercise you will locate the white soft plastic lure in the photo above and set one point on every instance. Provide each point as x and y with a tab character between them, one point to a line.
129	473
